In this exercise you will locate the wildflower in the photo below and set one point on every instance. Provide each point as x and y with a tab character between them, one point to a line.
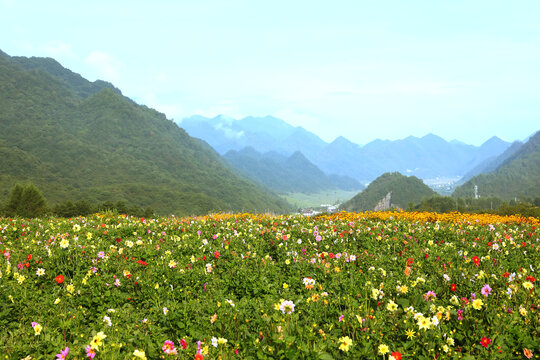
476	260
391	306
477	304
76	227
522	311
424	323
70	288
453	287
528	285
140	354
286	307
107	320
486	290
117	282
90	353
172	264
528	353
214	341
430	295
230	302
396	355
97	341
168	348
165	311
213	318
59	279
345	343
63	354
37	328
410	333
285	285
183	344
101	254
485	341
383	349
40	272
64	243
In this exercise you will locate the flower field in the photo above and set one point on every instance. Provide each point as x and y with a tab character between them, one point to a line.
388	285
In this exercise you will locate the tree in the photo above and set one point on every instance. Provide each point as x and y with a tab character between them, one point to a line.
26	201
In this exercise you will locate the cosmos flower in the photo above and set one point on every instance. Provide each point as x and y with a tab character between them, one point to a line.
63	354
286	307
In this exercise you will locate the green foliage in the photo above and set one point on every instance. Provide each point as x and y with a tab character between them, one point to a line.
516	177
95	144
404	191
26	201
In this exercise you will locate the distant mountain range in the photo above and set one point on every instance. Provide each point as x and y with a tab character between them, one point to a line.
287	174
426	157
77	139
515	174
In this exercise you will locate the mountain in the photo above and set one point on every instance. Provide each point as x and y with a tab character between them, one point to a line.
283	174
398	191
491	163
516	176
75	139
427	157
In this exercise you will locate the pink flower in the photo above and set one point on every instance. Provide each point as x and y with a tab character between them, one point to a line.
63	354
341	318
101	254
430	295
168	348
183	344
486	290
90	353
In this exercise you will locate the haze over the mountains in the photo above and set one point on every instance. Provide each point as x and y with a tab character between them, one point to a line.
427	157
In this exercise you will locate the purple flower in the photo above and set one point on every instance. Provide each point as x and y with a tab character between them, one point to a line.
486	290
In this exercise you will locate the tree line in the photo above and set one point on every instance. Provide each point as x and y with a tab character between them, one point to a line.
28	201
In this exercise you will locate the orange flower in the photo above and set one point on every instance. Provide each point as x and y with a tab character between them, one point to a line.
408	271
528	353
59	279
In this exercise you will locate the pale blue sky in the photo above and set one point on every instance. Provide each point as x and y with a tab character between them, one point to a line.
463	70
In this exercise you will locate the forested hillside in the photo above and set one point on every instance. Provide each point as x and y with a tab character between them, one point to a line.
80	140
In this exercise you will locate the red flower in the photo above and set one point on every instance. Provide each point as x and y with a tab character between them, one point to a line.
29	257
142	262
476	260
183	344
331	255
216	254
485	341
453	287
506	274
524	244
118	240
530	278
59	279
410	261
396	355
199	357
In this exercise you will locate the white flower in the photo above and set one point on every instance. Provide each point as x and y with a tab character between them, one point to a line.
40	272
165	311
286	307
214	341
107	320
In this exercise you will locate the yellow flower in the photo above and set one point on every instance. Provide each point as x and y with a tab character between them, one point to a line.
424	323
64	243
410	333
528	285
70	288
391	306
97	341
57	301
345	343
477	304
140	354
37	329
383	349
285	285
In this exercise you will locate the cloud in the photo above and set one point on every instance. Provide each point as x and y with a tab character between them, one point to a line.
106	66
228	132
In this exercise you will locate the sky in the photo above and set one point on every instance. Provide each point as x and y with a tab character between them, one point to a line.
465	70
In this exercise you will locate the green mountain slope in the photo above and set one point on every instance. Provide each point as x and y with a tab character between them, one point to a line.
404	190
101	146
518	176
